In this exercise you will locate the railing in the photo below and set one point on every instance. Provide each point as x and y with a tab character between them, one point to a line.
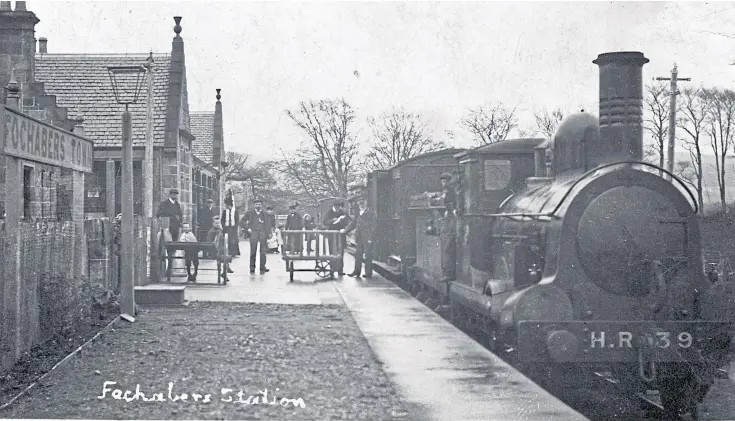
321	251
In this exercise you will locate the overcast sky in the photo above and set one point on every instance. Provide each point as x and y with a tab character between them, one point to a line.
437	59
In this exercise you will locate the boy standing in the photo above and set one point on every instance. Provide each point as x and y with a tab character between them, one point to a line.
190	256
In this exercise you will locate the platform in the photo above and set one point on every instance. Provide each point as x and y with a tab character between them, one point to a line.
437	367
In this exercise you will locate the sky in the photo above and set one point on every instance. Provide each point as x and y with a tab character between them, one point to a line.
436	59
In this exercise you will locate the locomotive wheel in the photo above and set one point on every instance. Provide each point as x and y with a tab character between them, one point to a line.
322	269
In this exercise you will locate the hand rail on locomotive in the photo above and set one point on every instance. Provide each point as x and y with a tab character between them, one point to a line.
553	215
647	164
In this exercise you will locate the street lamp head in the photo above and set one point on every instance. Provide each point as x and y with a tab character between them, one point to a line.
126	83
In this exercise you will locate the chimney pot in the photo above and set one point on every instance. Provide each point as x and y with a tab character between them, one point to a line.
5	5
20	6
42	45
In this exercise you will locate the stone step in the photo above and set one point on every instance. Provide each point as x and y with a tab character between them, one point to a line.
160	294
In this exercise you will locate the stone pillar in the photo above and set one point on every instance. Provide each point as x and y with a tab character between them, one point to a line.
11	291
110	188
77	208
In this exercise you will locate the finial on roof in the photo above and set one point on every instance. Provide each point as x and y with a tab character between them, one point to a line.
13	90
150	60
218	95
177	28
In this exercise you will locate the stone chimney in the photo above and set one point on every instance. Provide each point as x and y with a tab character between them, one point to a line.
17	44
42	45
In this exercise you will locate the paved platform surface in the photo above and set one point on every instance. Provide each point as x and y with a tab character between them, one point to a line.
270	288
436	366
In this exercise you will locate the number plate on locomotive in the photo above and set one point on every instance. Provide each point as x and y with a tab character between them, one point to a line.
608	341
662	339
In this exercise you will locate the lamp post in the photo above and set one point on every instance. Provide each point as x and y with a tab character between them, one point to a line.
126	84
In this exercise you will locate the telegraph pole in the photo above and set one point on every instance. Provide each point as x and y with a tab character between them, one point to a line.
672	114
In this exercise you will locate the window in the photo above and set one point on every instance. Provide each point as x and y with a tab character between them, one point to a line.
497	174
27	189
504	262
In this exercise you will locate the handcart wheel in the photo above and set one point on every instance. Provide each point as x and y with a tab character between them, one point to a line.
162	257
322	269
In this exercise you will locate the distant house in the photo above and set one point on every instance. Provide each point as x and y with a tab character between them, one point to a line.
80	86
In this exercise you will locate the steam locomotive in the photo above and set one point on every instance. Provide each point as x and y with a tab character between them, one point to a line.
569	252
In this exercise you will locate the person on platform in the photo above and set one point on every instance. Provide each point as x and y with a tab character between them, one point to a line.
364	226
217	237
294	242
204	221
336	219
448	233
171	209
309	225
190	256
271	217
230	220
260	229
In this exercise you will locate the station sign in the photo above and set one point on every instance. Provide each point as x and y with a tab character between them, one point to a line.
25	137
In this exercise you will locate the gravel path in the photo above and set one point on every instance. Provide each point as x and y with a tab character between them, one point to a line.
315	353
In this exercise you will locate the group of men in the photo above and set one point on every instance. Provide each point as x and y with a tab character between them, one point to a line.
259	225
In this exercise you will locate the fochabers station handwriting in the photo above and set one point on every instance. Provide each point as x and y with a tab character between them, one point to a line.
225	395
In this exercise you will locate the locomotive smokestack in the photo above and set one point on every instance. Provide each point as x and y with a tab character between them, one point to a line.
621	106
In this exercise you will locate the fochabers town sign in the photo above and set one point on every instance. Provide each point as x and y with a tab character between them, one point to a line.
25	137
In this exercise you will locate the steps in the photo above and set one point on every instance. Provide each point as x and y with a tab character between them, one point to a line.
160	294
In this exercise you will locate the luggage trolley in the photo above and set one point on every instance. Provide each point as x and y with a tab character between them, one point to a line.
325	260
167	253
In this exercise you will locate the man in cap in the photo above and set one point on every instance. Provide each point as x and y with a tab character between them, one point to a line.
448	233
294	242
336	219
259	228
171	209
230	221
364	226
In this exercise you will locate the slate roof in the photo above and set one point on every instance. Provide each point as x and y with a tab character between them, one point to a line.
202	128
82	84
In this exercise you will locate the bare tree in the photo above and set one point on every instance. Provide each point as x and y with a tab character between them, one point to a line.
656	108
326	164
547	122
489	123
693	121
398	136
721	129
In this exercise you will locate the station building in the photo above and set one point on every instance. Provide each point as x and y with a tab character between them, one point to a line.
74	92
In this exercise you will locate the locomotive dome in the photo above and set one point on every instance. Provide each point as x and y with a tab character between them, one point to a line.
575	142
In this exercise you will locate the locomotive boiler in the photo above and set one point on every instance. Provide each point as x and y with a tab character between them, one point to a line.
592	259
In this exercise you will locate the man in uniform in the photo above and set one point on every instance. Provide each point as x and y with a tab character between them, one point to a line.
205	215
448	234
230	221
364	226
171	209
293	222
336	219
259	228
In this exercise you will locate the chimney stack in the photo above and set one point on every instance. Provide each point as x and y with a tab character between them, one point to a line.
20	6
43	45
621	106
5	6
